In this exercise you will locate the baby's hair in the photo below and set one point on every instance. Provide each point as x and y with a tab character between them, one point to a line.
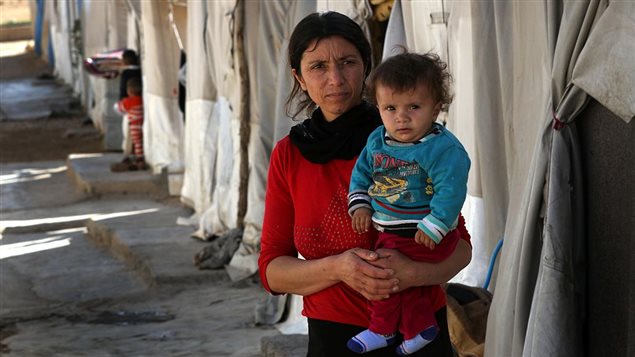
404	71
134	85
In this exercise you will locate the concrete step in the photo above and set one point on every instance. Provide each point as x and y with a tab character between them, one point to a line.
160	253
90	173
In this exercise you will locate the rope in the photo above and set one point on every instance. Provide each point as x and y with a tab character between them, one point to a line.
492	262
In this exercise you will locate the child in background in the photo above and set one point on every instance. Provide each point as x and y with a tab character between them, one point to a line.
132	107
410	182
129	68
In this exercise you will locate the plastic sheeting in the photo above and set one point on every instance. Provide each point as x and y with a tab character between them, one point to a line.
163	121
212	148
199	146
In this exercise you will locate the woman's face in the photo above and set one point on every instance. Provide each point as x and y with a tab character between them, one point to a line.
332	73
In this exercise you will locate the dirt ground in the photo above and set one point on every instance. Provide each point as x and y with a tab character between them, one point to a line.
39	139
46	139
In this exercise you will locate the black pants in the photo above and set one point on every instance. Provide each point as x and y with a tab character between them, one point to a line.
328	339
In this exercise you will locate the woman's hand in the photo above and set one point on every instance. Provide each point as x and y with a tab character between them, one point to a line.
370	280
411	273
404	267
353	267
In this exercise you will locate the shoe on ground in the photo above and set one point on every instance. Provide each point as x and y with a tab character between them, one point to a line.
127	164
141	165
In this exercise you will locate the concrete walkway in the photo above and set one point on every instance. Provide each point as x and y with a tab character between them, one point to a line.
55	206
151	243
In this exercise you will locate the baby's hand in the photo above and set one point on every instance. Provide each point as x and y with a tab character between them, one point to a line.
361	220
423	239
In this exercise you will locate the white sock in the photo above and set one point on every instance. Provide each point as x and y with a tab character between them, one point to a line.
418	342
367	340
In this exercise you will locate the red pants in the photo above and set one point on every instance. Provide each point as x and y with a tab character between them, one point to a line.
409	311
136	133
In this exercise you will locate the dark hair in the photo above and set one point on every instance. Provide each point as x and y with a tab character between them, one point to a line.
317	26
134	85
406	70
130	57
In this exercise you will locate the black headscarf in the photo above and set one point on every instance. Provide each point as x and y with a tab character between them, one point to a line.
343	138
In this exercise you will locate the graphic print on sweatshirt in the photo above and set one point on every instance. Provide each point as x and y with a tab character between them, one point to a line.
392	178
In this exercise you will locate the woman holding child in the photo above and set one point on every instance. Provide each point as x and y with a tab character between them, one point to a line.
306	207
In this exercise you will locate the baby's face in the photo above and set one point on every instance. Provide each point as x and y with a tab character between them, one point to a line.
408	116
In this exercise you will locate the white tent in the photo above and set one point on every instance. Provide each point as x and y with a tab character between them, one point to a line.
163	121
519	68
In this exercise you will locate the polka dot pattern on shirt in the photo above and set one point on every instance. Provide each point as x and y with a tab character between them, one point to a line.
334	235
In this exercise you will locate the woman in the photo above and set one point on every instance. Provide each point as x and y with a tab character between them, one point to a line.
306	200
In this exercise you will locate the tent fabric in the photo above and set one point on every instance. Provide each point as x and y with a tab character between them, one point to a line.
611	84
214	187
395	30
495	64
462	121
422	34
60	30
211	181
200	130
538	306
262	40
358	10
163	122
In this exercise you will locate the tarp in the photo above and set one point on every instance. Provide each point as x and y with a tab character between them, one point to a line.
213	117
163	121
201	133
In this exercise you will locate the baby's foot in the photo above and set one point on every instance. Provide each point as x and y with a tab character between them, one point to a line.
367	340
418	342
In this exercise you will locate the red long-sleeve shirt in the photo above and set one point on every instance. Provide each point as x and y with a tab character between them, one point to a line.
306	212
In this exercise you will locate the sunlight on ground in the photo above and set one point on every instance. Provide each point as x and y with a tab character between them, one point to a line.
84	156
25	175
34	246
82	217
57	241
69	230
13	48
